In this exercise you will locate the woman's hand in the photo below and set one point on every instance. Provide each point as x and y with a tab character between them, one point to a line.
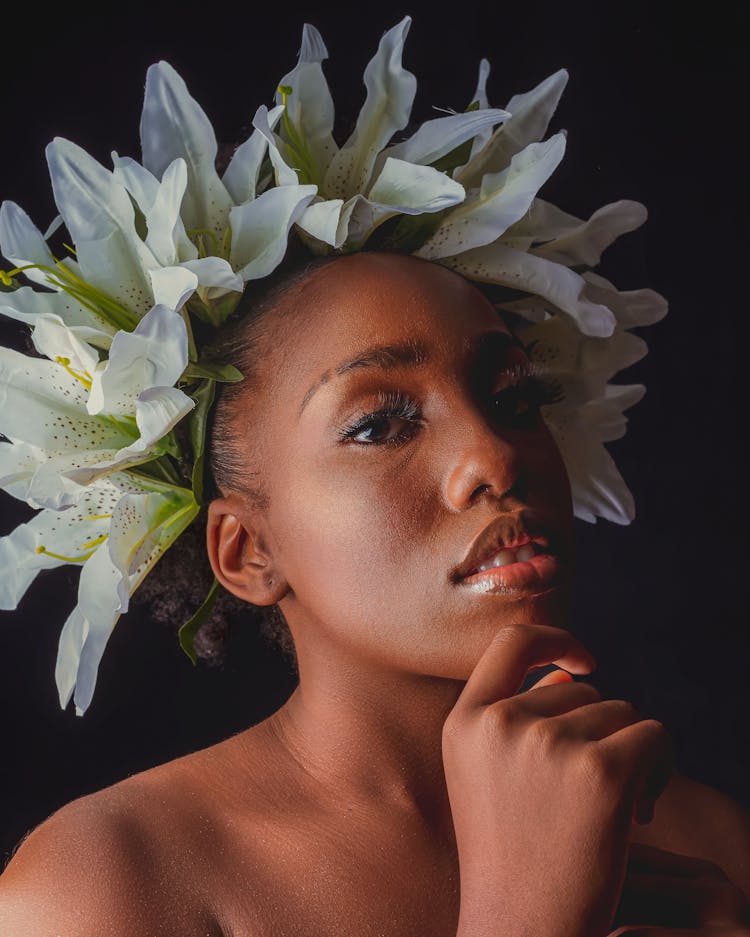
543	787
669	895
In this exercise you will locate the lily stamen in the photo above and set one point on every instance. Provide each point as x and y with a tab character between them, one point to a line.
95	542
84	378
297	142
65	559
62	278
198	234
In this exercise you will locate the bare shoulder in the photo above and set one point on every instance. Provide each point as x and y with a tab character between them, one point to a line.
127	860
695	819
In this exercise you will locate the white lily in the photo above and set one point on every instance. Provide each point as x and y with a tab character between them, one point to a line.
116	276
185	237
364	182
82	418
120	527
504	234
536	255
227	218
591	410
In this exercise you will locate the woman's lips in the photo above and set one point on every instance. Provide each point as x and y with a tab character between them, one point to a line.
523	575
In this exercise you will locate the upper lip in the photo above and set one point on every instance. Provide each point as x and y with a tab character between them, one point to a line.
504	532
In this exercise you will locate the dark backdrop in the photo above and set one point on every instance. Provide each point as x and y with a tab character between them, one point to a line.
654	111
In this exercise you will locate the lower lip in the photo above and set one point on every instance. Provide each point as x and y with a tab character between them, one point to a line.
521	576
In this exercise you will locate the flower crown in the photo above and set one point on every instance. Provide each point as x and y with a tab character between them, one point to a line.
156	245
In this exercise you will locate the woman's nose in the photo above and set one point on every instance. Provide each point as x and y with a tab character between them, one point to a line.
482	461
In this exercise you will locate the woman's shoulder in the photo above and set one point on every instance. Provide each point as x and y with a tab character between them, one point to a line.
130	855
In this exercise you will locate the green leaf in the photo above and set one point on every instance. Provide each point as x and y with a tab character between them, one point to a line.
203	397
162	469
411	232
459	154
457	157
190	628
214	311
227	373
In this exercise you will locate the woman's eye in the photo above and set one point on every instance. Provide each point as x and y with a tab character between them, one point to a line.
380	430
377	428
514	405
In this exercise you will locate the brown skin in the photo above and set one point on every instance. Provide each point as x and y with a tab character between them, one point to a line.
381	762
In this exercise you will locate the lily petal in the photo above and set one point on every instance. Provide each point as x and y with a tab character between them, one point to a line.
173	286
435	138
18	463
29	305
86	631
100	218
157	411
241	176
143	525
43	404
215	276
62	479
414	190
260	228
327	220
531	113
503	198
309	107
22	243
597	487
173	125
390	95
51	337
263	122
495	263
401	188
585	244
631	307
163	220
160	203
49	537
154	355
579	363
480	96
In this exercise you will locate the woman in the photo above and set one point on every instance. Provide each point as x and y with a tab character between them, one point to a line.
406	745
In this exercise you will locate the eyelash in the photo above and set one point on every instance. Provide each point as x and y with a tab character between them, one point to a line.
526	384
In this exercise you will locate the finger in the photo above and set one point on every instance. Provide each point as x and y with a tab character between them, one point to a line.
556	699
552	678
643	752
594	720
513	651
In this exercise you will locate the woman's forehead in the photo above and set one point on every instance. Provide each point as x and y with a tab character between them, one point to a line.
370	299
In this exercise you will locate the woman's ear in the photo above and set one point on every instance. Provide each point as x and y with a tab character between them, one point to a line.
239	555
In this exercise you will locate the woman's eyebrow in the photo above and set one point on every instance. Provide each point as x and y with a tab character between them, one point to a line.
406	353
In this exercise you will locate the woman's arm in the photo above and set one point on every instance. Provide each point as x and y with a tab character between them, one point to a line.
694	819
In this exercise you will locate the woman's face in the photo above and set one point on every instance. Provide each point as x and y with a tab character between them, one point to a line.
367	520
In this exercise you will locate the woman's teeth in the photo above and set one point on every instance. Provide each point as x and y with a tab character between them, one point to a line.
504	557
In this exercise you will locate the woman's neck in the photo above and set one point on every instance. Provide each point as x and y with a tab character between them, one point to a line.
371	737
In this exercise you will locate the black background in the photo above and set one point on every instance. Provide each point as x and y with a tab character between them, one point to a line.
654	110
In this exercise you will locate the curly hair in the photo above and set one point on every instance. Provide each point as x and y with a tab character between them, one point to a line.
185	573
